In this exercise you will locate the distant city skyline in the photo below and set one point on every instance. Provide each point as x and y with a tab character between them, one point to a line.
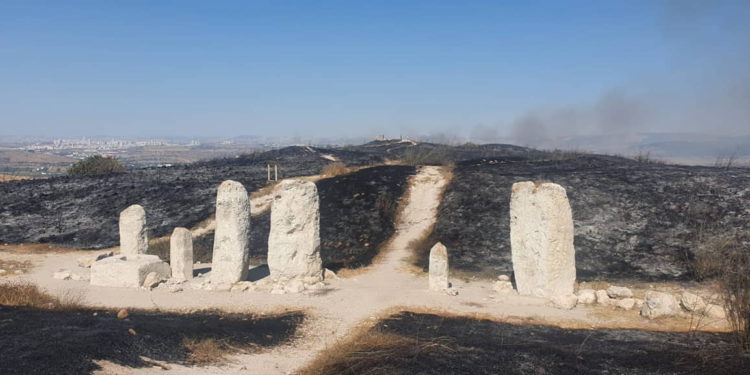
529	73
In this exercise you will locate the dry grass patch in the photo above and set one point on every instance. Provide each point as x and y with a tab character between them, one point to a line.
11	267
335	169
26	294
208	350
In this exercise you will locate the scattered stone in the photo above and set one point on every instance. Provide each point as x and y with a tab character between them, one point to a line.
626	304
658	304
716	312
132	332
88	260
602	298
541	237
127	271
451	292
503	287
122	314
692	303
564	302
503	278
181	254
133	237
586	296
294	240
231	252
62	275
152	280
619	292
174	288
438	278
79	277
638	302
329	275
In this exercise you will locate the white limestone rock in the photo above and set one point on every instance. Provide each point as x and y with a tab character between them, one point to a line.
152	280
503	287
181	254
626	304
619	292
503	278
586	296
692	303
602	298
231	252
79	277
133	237
541	237
438	278
658	304
88	260
62	275
127	271
329	275
294	241
564	302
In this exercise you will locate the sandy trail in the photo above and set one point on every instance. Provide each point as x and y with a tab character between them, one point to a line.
347	305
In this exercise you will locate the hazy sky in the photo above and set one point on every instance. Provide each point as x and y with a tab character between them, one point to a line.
485	69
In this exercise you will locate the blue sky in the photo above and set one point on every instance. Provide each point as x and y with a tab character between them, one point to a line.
351	68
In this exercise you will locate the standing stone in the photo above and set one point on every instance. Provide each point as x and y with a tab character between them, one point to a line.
439	268
133	237
181	254
294	241
541	237
231	252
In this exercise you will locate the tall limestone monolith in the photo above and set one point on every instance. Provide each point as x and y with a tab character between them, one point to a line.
294	241
133	237
231	251
541	238
181	254
439	268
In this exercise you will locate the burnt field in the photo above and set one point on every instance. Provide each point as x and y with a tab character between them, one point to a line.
83	212
67	342
411	343
633	220
357	213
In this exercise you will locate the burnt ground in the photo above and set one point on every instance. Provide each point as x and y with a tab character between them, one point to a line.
633	220
432	344
66	342
357	215
83	211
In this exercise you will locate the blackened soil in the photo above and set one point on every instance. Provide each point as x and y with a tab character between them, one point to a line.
83	212
56	342
632	220
442	345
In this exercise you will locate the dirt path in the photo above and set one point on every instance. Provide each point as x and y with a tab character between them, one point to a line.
348	304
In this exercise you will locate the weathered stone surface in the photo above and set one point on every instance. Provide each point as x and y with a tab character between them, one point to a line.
503	278
181	254
602	298
329	275
564	302
715	311
88	260
504	287
619	292
231	252
438	279
658	304
625	303
692	303
133	237
152	280
127	271
586	296
294	241
541	237
62	275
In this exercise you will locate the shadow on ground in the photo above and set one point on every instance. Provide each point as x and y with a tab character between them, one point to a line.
67	342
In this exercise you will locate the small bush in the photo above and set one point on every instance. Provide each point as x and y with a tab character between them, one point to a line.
206	351
334	169
95	165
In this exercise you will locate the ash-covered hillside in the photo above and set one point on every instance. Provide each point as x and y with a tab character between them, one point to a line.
633	220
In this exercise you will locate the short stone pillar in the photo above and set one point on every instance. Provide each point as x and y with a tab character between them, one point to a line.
294	241
181	254
133	237
439	268
231	251
541	238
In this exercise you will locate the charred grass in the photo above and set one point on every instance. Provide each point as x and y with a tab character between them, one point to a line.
65	341
408	343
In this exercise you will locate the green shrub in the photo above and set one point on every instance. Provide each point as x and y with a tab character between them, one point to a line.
96	164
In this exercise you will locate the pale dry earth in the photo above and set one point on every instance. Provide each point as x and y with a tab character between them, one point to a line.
348	304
